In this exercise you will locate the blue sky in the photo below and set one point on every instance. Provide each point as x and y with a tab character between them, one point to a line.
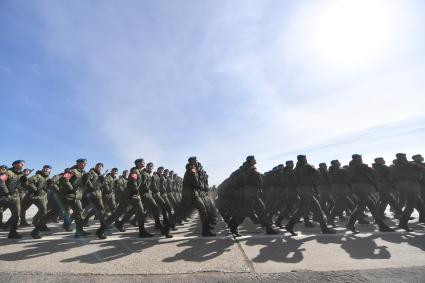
113	81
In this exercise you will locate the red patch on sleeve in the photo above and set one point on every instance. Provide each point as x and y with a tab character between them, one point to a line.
4	177
134	176
68	175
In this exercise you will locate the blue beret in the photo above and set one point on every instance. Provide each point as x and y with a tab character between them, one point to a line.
300	157
47	166
250	158
3	167
99	164
81	160
17	162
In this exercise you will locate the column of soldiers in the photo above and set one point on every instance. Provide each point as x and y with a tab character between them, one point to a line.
323	194
77	195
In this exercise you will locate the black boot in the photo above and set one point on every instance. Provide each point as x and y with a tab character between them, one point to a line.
14	235
206	232
403	225
24	223
44	228
290	227
165	230
35	233
271	231
331	222
100	233
119	226
143	233
326	230
350	226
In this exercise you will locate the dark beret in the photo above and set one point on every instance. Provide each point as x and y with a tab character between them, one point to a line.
47	166
250	158
79	160
99	164
300	157
18	161
192	158
400	155
138	160
356	156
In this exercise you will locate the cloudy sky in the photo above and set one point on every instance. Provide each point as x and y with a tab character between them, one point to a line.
112	81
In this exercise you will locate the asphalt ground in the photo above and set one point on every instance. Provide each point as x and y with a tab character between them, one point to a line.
370	256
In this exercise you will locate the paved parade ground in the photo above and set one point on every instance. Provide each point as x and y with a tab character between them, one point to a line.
187	257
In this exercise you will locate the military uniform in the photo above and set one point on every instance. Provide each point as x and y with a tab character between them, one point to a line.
362	179
132	199
190	199
108	192
93	183
10	185
36	188
386	189
407	178
305	175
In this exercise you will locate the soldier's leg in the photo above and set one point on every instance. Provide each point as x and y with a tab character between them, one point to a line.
199	205
318	214
26	202
14	204
77	209
136	203
151	204
259	208
1	214
420	207
358	211
371	204
303	208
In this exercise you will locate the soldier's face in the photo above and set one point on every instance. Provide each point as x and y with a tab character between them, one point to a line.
149	168
81	165
2	170
114	173
160	171
46	171
125	174
99	168
140	164
19	166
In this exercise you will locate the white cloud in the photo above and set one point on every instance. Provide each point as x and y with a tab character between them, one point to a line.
222	82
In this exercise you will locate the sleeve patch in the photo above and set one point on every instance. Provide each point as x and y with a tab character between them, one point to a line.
134	176
68	175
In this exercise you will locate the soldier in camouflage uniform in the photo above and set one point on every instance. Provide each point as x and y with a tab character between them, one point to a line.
36	188
419	160
340	191
290	192
108	190
190	198
385	188
323	186
305	174
131	197
363	179
10	184
93	182
250	200
407	176
3	170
